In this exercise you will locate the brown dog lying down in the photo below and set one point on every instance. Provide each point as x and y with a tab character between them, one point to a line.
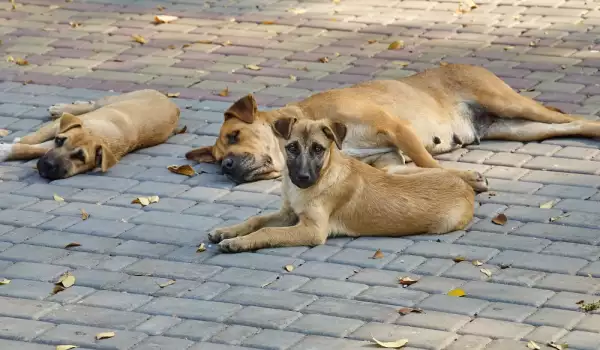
104	132
327	193
428	113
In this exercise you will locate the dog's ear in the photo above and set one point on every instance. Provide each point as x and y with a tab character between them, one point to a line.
336	132
68	122
283	127
243	109
202	155
105	159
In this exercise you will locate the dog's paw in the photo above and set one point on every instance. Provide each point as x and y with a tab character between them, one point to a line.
58	109
215	236
5	150
478	181
232	245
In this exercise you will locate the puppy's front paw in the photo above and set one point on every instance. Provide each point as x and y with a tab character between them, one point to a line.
215	236
233	245
478	181
58	109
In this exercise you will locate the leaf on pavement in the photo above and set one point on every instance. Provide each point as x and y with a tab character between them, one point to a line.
392	344
72	245
164	19
173	94
408	310
65	347
557	346
500	219
181	131
201	248
185	169
459	259
139	39
378	255
253	67
105	335
84	215
533	345
407	281
166	284
289	268
224	92
476	263
547	205
58	198
4	132
398	44
486	272
4	281
457	293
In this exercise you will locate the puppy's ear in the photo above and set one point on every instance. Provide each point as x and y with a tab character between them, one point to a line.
68	122
202	155
105	159
283	127
243	109
336	132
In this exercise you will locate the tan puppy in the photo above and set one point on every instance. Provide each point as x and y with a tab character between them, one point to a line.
327	193
429	113
100	136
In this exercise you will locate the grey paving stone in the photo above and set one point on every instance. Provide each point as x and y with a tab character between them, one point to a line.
85	336
576	284
581	340
392	296
168	269
264	317
539	262
273	339
26	252
469	342
332	288
509	294
422	338
24	346
97	183
266	298
234	334
95	317
158	342
115	300
360	257
507	312
450	251
158	234
188	308
555	318
245	277
182	221
352	309
434	320
559	233
99	227
206	290
324	325
34	271
24	330
317	269
518	277
195	330
496	329
27	309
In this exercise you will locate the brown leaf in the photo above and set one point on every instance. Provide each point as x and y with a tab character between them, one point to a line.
407	310
84	215
378	255
105	335
224	92
533	345
398	44
203	42
185	45
201	248
164	19
324	59
580	302
166	284
173	94
372	41
139	39
289	268
72	245
4	281
74	24
267	22
459	259
392	344
476	263
407	281
185	169
457	293
57	289
181	131
500	219
253	67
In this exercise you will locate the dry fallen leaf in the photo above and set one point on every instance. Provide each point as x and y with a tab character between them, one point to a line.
164	19
372	41
477	263
547	205
471	4
407	281
201	248
74	24
13	4
105	335
554	218
4	281
398	44
500	219
66	280
224	92
166	284
580	302
392	344
181	131
557	346
289	268
533	345
378	255
297	11
84	215
72	245
253	67
443	64
267	22
486	272
173	94
408	310
457	293
459	259
139	39
10	59
65	347
593	306
58	198
4	132
144	201
324	59
185	169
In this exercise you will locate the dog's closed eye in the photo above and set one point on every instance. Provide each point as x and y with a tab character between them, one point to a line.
79	155
59	141
232	138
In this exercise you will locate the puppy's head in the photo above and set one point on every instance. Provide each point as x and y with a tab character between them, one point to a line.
75	151
307	147
246	147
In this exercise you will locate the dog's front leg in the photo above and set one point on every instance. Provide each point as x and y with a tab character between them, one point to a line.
302	234
284	217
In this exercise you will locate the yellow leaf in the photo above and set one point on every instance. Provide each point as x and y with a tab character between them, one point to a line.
144	201
164	19
153	199
226	43
289	268
547	205
166	284
65	347
378	255
74	24
201	248
173	94
392	344
10	59
58	198
185	169
398	44
14	5
139	39
457	293
500	219
4	281
477	263
253	67
443	64
224	92
293	77
72	245
84	215
66	280
459	259
105	335
557	346
297	11
486	272
533	345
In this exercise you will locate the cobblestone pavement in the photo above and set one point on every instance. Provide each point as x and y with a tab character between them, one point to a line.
542	262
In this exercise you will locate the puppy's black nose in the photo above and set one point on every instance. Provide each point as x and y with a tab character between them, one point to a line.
303	177
228	163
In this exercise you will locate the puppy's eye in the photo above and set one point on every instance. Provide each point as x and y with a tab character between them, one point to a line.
293	148
79	155
318	149
233	137
59	141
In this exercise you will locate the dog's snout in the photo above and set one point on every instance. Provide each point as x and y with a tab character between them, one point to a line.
228	163
303	176
49	168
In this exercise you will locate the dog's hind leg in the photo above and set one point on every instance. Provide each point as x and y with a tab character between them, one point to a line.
475	179
524	130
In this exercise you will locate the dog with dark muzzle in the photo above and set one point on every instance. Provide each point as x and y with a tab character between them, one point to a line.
326	193
96	134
